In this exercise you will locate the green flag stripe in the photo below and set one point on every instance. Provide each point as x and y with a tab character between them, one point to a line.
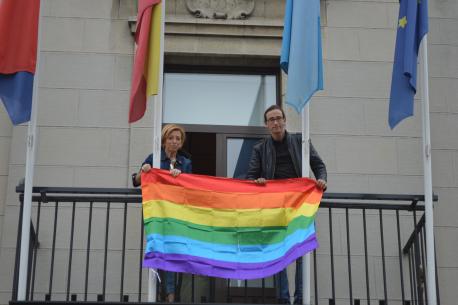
225	235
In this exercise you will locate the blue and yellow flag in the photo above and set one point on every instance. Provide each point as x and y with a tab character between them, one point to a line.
412	26
301	56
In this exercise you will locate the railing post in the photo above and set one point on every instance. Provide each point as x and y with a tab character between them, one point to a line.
417	261
14	295
29	264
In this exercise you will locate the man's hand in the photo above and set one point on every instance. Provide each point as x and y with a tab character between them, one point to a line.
146	168
321	184
260	181
175	172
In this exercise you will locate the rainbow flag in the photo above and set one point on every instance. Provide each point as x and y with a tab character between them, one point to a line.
225	227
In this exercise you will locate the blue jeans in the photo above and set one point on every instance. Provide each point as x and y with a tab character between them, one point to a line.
169	282
281	281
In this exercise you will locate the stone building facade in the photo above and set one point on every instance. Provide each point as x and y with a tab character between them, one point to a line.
86	141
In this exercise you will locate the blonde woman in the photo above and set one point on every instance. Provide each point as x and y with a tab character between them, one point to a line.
176	161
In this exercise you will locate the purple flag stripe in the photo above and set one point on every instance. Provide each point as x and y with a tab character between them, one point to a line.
243	271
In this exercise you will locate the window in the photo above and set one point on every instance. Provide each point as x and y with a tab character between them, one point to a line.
218	99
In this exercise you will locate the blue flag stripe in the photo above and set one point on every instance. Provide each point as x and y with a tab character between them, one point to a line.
16	94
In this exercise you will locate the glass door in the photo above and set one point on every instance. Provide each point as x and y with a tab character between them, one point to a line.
233	157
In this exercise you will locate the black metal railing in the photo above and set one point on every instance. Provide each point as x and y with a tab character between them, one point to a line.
33	244
415	250
404	212
91	249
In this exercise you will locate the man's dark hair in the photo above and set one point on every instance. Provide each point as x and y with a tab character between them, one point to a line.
273	107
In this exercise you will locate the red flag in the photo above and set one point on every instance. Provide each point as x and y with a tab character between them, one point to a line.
18	35
142	36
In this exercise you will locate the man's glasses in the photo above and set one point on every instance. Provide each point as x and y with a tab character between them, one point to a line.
272	120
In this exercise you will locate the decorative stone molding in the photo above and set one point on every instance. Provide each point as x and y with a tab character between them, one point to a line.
221	9
132	22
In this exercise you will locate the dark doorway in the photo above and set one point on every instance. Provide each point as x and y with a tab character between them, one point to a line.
202	147
225	151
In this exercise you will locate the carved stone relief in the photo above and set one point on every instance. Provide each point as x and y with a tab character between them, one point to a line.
221	9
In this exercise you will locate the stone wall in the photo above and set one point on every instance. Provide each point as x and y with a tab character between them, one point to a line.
85	140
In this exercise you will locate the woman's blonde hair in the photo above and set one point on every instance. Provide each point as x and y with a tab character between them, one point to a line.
168	129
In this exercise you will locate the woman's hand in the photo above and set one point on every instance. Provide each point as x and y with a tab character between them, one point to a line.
175	172
146	168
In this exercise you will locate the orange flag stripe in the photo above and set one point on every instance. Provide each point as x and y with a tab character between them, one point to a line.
225	200
220	184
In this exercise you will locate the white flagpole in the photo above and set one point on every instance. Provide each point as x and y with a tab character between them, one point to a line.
29	170
427	181
157	125
306	173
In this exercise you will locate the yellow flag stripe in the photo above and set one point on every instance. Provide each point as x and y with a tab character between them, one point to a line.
154	50
226	217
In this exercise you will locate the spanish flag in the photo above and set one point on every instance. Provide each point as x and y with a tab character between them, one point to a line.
227	228
145	76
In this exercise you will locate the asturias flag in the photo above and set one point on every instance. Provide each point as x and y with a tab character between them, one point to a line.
145	76
225	227
301	56
18	54
412	26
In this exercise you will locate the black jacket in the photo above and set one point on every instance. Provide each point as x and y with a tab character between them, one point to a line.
262	162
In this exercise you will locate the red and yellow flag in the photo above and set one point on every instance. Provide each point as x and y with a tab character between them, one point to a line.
145	76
